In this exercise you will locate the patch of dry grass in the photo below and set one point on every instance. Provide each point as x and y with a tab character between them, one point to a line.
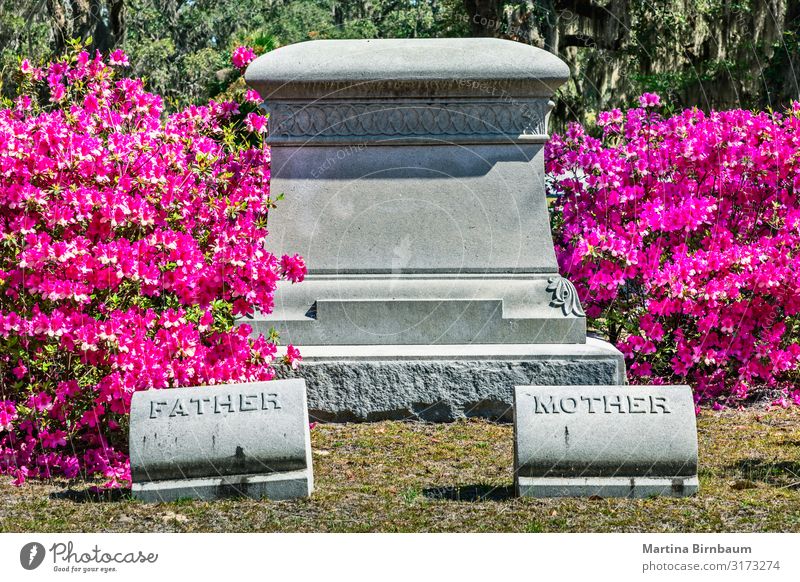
398	476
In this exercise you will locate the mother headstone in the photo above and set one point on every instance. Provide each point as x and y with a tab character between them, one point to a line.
414	187
606	441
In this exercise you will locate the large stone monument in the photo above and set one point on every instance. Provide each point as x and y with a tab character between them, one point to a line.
414	187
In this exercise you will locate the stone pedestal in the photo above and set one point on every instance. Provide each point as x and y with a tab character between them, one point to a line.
413	178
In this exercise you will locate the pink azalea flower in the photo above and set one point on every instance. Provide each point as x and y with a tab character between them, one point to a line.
118	58
23	103
8	414
20	370
20	475
242	56
292	357
293	268
649	100
57	93
70	467
255	123
40	401
53	440
252	96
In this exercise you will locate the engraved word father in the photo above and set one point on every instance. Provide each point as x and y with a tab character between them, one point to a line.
217	405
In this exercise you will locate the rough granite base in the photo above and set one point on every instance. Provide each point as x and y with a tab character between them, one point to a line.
443	383
274	486
635	487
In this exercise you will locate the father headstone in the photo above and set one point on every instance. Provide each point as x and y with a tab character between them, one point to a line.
223	441
609	441
413	177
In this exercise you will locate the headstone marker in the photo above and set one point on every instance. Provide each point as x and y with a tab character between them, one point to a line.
609	441
221	441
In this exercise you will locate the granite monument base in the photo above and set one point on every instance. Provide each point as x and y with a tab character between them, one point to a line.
442	383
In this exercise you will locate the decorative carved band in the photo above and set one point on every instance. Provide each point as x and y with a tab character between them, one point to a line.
565	296
501	121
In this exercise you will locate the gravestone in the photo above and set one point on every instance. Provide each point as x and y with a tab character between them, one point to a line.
413	177
609	441
221	441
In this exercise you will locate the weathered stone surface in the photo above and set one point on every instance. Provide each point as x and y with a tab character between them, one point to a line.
275	486
414	188
397	209
519	310
443	383
406	68
612	441
208	442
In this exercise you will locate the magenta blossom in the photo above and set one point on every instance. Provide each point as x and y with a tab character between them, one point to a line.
252	96
682	236
649	100
293	268
118	58
255	123
242	56
292	357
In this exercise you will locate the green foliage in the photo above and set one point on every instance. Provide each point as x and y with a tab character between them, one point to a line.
713	54
24	30
709	53
182	47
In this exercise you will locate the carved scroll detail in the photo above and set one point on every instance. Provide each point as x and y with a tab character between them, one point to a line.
565	296
408	118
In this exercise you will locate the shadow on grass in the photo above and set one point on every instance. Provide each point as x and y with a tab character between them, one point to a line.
470	493
92	495
777	473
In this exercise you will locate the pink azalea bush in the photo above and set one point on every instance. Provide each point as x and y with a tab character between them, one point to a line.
682	235
129	241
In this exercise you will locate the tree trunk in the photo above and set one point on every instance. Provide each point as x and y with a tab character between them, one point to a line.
485	17
101	20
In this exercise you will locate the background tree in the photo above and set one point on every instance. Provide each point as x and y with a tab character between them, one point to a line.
24	30
710	53
103	21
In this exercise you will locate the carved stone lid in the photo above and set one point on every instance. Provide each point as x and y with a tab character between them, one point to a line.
407	68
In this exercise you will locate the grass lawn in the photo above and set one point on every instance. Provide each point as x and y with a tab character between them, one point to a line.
397	476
